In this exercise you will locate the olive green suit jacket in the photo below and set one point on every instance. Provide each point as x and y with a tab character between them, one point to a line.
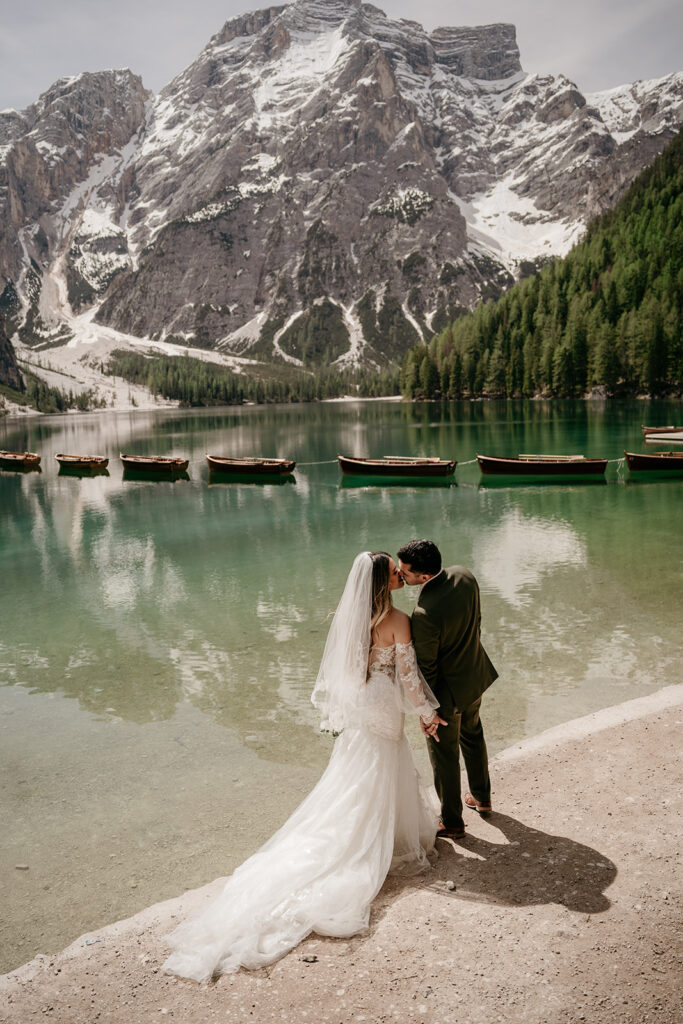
446	633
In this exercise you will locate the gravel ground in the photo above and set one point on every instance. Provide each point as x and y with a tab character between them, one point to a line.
565	909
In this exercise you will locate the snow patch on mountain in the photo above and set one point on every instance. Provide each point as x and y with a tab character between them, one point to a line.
310	57
627	109
280	352
244	190
510	228
353	357
182	127
243	337
405	204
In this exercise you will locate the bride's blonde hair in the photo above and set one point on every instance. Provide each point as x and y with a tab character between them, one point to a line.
380	599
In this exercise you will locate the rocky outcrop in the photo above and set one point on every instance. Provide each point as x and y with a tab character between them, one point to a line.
318	164
10	375
489	52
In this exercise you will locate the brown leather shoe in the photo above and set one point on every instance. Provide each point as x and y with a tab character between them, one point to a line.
475	805
450	833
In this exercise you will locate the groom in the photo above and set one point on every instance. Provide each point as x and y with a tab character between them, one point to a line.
445	625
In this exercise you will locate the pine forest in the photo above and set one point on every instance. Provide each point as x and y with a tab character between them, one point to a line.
606	316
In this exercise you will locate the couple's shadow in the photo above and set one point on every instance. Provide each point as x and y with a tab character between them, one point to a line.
527	868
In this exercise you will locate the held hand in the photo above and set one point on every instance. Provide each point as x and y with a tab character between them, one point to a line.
430	728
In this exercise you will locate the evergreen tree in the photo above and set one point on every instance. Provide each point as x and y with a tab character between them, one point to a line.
410	372
456	377
445	377
429	376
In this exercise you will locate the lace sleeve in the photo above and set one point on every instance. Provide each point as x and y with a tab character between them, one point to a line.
416	696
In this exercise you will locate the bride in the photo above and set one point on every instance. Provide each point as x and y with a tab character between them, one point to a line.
368	814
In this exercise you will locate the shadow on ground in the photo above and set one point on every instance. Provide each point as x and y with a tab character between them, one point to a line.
521	866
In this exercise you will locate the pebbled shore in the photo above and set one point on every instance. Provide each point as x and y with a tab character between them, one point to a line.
566	908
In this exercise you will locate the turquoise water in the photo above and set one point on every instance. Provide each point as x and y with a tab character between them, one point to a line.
159	640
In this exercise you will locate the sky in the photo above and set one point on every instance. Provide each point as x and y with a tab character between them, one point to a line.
598	44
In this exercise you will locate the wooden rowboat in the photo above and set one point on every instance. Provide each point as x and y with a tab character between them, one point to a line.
659	430
662	462
542	465
19	460
397	465
154	463
255	466
82	461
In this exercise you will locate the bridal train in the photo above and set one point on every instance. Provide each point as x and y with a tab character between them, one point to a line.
368	814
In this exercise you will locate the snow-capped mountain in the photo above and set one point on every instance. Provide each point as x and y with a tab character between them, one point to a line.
322	183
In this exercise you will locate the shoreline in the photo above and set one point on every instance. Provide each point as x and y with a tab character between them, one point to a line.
124	957
17	413
144	401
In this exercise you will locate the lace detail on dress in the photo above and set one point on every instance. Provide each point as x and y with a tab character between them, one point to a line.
394	688
413	682
381	658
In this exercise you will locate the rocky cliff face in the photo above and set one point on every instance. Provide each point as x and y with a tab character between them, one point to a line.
322	183
9	371
59	160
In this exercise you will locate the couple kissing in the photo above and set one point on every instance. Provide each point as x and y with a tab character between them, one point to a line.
370	813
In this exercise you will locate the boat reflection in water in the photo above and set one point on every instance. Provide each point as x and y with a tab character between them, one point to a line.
409	483
155	476
83	471
225	479
490	482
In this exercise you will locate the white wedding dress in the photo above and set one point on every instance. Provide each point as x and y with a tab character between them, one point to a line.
368	814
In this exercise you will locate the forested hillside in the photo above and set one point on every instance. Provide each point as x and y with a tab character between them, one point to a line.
195	382
608	314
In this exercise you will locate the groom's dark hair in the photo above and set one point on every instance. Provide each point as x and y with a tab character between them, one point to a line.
421	556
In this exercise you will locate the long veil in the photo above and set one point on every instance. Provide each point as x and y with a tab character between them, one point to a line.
338	689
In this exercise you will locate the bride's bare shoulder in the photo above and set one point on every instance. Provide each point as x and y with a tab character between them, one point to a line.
400	624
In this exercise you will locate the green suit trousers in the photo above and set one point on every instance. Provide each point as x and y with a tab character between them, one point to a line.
464	733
